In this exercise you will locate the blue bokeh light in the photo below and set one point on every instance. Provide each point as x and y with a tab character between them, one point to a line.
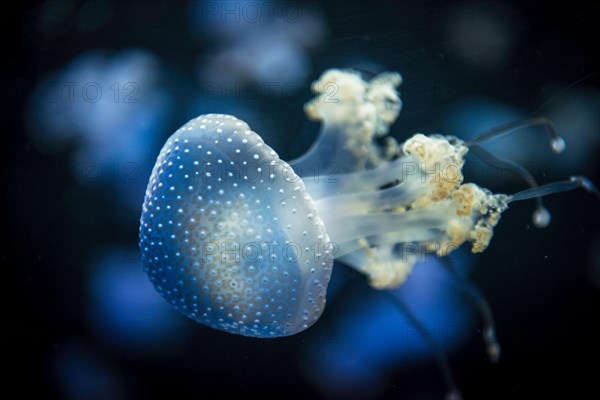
260	43
126	312
112	110
82	374
354	355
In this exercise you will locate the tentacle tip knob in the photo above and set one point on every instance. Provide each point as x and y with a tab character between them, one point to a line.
558	145
586	183
493	351
541	217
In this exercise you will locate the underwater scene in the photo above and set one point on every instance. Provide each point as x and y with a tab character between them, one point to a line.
285	199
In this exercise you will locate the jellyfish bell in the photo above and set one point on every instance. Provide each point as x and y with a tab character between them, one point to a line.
229	235
234	238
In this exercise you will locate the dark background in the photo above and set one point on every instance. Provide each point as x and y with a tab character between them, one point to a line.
538	281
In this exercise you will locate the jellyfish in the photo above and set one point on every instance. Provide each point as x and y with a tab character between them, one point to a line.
244	242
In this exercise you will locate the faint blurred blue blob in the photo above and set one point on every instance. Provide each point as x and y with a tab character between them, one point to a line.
125	311
354	356
258	42
276	66
227	19
110	110
483	35
230	20
80	373
575	111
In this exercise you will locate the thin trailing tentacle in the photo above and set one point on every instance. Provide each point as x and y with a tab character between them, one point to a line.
485	311
452	392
